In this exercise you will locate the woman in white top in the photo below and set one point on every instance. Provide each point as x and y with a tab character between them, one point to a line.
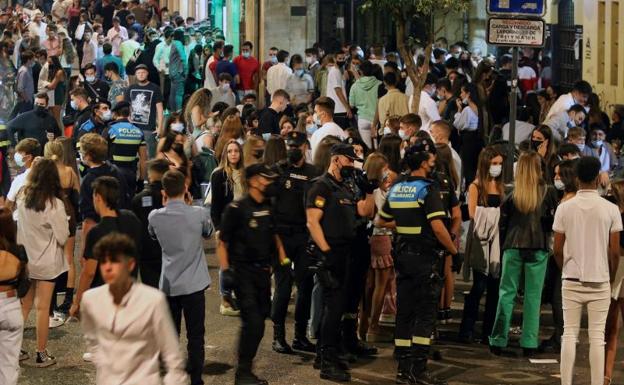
467	123
42	229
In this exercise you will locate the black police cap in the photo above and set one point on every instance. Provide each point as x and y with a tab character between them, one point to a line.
344	150
120	105
295	138
259	169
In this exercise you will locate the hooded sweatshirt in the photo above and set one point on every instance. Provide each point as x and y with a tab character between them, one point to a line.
363	96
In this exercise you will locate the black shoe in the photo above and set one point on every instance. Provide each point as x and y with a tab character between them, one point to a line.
303	344
249	379
435	355
425	378
281	346
463	339
550	346
362	349
333	372
529	352
404	372
496	350
441	316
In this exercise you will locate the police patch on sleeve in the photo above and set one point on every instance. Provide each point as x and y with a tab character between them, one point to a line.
319	202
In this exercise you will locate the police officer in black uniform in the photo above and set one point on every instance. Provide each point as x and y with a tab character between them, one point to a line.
414	207
247	243
332	207
295	178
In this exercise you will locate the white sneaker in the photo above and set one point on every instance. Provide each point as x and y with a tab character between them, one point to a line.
87	357
56	322
228	311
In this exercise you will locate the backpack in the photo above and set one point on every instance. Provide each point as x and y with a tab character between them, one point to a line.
204	164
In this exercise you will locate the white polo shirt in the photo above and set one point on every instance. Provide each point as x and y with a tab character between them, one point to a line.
587	220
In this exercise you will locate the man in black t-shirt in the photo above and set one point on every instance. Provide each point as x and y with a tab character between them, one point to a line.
106	195
146	107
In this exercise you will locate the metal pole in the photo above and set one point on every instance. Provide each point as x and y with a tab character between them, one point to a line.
513	109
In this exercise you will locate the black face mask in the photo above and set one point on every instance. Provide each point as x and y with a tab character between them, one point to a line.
347	172
535	144
270	190
258	153
295	155
40	110
340	63
177	147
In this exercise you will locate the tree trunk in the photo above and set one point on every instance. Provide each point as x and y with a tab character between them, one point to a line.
417	77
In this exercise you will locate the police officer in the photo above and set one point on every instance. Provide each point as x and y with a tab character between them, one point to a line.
125	144
295	178
332	206
101	114
415	209
247	243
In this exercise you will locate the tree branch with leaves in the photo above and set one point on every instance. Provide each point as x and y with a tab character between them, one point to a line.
406	12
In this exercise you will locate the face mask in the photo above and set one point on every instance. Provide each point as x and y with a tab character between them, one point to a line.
90	79
19	159
258	153
246	55
456	55
40	110
317	120
347	172
496	170
177	147
240	141
107	115
309	60
299	73
360	53
273	59
340	63
311	128
535	144
559	185
73	105
225	86
597	143
465	101
295	155
270	190
581	147
177	127
387	130
402	134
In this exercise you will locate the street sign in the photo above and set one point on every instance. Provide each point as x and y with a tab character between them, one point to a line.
536	8
516	32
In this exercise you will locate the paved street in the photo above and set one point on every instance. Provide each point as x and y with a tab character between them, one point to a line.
461	364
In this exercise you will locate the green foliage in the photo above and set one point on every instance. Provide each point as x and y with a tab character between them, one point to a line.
408	9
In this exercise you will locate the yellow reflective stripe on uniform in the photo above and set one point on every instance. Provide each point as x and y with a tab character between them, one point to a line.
385	215
436	214
421	340
409	230
121	158
127	141
402	343
404	205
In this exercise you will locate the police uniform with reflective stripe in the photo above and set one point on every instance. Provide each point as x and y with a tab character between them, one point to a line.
248	230
412	203
124	140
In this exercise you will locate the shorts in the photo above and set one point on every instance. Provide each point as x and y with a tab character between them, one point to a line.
381	252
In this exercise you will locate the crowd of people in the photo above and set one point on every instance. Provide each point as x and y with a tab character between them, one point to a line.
137	134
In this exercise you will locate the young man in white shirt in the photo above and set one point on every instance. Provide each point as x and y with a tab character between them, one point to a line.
277	75
587	249
427	108
25	153
579	95
129	321
324	119
337	92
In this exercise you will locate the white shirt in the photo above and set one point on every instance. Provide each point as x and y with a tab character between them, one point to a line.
466	120
562	104
131	337
116	38
17	185
329	128
558	123
277	76
587	220
334	80
427	110
38	30
43	234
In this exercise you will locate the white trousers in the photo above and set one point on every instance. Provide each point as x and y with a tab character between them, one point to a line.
597	297
11	334
364	127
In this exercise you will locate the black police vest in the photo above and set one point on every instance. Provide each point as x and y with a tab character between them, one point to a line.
289	206
339	215
254	242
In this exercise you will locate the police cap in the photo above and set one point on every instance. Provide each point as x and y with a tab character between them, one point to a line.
355	142
295	138
344	150
120	105
260	169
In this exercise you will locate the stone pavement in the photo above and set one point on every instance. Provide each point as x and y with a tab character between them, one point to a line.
461	364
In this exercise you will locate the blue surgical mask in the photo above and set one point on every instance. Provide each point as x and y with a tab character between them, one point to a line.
246	55
273	59
299	72
597	143
19	159
311	128
581	147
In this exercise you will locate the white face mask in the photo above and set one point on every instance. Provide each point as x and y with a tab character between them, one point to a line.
107	115
90	79
559	184
496	170
387	130
177	127
402	134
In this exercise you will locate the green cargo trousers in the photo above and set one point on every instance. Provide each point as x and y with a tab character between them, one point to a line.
533	263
